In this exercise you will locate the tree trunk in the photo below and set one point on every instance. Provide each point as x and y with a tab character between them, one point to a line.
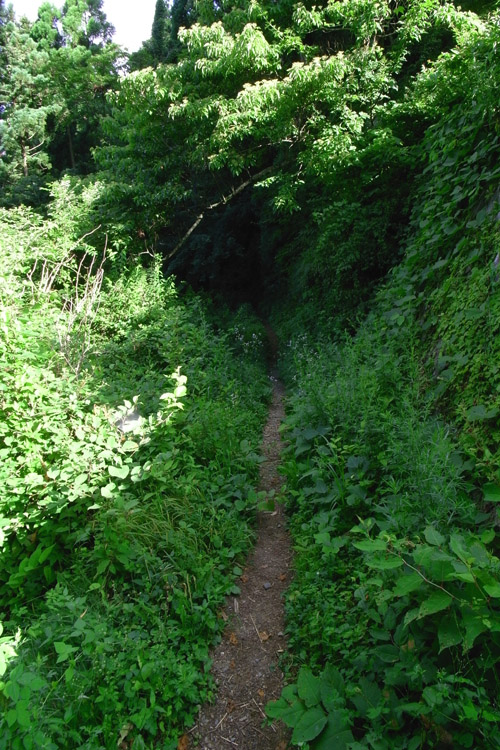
24	152
70	146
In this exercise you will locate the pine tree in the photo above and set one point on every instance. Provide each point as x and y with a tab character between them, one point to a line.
159	32
27	101
183	14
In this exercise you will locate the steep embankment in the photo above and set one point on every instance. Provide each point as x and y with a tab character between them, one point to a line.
392	468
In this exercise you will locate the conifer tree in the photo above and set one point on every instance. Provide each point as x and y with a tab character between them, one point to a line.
183	15
159	32
25	88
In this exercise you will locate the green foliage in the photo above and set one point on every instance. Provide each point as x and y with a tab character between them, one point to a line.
52	94
367	135
126	482
393	508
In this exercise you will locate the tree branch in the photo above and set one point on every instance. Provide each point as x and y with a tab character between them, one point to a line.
222	202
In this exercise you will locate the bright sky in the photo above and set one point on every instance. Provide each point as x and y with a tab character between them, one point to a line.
131	20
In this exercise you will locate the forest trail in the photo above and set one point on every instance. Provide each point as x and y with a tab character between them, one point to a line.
245	663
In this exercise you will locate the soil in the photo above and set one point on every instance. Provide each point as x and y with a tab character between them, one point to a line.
246	662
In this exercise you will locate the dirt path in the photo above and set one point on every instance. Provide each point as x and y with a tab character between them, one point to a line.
245	664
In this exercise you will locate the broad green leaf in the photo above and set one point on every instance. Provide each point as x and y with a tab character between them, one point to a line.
309	725
290	713
384	563
309	687
335	735
107	491
432	696
370	691
387	653
457	546
491	493
474	626
23	715
332	685
322	537
371	545
490	584
289	692
488	535
436	563
45	553
449	633
480	412
432	536
64	650
130	445
121	472
12	691
436	602
408	583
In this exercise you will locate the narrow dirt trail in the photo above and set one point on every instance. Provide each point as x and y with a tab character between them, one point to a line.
245	663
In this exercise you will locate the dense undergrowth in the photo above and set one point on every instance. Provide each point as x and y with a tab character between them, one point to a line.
392	466
342	160
129	420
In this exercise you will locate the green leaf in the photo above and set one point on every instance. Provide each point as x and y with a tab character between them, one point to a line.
480	412
309	687
335	735
384	563
474	626
432	536
107	491
408	583
45	553
23	715
64	650
488	535
491	493
387	653
457	546
492	587
121	472
371	545
289	712
309	725
332	686
436	602
448	633
130	445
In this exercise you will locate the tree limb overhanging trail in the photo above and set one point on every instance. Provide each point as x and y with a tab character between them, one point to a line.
222	202
245	663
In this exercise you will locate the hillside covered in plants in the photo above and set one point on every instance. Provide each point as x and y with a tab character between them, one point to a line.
333	169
